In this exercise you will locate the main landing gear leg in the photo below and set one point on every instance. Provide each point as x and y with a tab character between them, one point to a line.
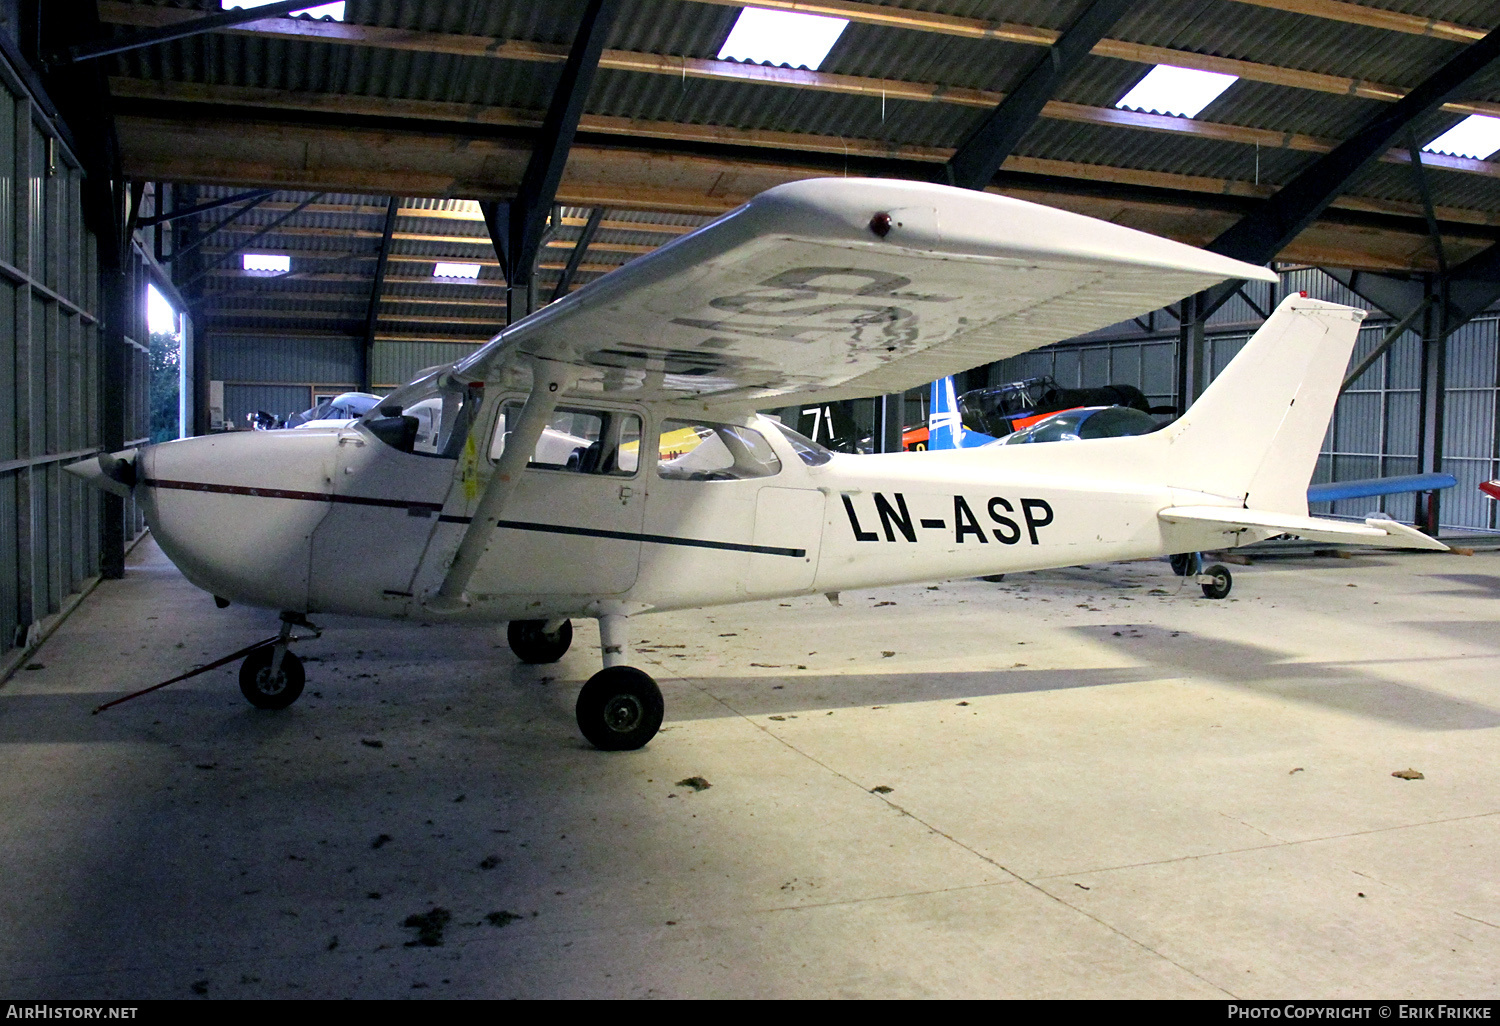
620	708
272	677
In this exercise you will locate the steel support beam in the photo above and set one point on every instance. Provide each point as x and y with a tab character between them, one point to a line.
202	208
977	159
1192	351
225	223
377	290
252	240
575	258
182	30
1434	385
1257	239
529	212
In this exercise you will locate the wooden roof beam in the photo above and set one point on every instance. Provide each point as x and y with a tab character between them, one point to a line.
693	67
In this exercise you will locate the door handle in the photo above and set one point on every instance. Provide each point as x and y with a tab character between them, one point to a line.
625	493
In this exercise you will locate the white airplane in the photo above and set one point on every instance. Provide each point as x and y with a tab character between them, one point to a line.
685	497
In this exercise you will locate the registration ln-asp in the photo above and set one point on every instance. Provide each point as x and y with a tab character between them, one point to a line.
603	459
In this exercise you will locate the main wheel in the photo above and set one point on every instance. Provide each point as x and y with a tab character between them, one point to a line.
1220	584
1185	564
531	643
271	691
620	709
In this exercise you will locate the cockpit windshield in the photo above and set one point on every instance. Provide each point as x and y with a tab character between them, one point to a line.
429	417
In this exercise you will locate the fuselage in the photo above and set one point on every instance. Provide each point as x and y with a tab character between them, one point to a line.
336	520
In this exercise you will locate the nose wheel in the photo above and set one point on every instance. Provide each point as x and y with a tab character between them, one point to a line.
271	687
620	709
271	677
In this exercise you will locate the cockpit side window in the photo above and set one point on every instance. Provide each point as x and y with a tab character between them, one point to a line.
581	441
693	451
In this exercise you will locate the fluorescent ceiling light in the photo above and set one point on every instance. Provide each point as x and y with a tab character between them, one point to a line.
160	317
334	11
1180	91
1475	136
782	37
267	263
447	270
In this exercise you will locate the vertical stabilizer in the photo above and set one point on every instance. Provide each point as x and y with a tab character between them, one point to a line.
1255	433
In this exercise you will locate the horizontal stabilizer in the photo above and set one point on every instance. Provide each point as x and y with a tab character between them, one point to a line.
1374	531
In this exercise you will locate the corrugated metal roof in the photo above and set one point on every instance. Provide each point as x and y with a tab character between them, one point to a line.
333	242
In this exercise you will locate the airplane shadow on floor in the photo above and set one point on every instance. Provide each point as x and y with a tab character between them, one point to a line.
759	696
1340	686
1484	584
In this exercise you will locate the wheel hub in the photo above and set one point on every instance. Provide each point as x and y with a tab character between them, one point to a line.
623	713
270	684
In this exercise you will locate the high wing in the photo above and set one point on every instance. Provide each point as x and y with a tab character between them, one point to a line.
843	288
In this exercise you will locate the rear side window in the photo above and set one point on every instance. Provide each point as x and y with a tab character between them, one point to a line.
694	451
579	441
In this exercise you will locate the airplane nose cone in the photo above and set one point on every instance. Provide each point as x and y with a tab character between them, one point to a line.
112	472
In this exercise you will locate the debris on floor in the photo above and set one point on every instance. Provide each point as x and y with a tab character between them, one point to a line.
881	789
489	862
381	841
1409	774
1294	769
370	742
501	918
429	926
886	655
696	783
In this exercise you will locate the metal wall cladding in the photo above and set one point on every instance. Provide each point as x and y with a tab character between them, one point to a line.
1464	505
1471	355
395	363
1469	431
254	358
50	362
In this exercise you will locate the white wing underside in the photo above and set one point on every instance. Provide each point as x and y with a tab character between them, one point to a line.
795	295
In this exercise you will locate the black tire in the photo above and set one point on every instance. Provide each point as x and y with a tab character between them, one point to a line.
993	578
532	644
620	709
1185	564
1223	581
266	692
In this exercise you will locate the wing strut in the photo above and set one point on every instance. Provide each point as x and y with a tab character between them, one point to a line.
549	381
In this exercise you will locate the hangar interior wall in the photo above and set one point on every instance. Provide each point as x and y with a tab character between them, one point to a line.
50	374
282	375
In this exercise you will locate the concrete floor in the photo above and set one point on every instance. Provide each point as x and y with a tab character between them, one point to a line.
1100	786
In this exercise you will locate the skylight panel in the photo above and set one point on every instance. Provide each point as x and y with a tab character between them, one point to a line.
444	269
1476	136
334	11
267	263
1180	91
782	37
